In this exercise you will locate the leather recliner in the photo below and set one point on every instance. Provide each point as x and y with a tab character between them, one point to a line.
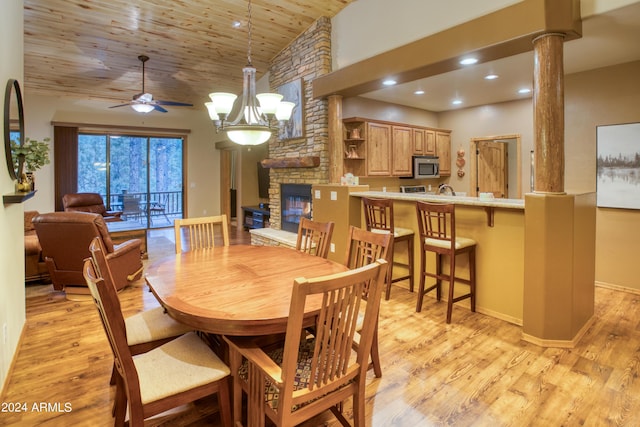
89	202
34	266
65	239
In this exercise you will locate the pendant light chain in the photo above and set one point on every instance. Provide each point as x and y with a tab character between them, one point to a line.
258	115
249	29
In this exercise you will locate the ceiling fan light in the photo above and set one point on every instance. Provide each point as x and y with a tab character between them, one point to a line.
143	108
285	108
249	136
269	102
223	102
213	115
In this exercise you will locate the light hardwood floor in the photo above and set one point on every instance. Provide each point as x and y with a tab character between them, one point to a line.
474	372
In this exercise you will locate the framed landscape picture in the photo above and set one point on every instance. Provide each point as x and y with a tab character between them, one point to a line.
294	128
618	166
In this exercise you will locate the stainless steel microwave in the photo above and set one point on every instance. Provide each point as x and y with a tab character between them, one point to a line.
426	167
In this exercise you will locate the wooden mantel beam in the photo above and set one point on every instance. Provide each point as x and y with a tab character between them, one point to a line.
292	162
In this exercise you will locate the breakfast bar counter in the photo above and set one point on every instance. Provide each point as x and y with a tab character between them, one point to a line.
439	198
498	226
489	205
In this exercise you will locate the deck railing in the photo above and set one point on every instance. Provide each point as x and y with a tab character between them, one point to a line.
140	206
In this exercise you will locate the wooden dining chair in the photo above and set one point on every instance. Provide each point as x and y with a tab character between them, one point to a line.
174	374
378	215
437	228
294	382
145	330
363	248
199	233
314	237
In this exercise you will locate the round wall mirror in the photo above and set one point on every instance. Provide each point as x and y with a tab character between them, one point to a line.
13	123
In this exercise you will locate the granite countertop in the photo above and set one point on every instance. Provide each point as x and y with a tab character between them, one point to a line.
458	200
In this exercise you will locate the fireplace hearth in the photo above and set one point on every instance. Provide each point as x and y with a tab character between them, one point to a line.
295	203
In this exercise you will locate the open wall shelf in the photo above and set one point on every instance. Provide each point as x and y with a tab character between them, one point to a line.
17	197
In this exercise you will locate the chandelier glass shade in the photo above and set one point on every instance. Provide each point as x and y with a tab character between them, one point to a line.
257	117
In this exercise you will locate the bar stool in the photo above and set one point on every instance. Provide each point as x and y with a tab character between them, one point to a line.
378	214
437	228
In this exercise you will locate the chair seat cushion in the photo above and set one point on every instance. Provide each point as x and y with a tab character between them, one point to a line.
179	365
461	242
397	232
152	325
303	372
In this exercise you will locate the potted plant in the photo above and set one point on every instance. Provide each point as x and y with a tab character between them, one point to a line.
27	159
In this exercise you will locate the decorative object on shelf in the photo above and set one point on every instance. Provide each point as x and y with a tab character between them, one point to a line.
460	162
349	179
352	153
354	134
28	158
258	116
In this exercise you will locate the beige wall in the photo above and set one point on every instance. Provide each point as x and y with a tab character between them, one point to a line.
602	97
506	118
369	27
12	299
372	109
203	160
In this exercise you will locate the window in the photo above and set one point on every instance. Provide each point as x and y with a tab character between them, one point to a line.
142	176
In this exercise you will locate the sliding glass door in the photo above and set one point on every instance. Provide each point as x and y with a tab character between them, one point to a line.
138	175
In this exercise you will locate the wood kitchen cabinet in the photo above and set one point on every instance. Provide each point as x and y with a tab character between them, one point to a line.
419	141
430	142
402	150
443	151
378	149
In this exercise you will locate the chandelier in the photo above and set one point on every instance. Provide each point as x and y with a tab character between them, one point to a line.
258	116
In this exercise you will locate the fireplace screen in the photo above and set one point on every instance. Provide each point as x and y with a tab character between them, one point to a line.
295	203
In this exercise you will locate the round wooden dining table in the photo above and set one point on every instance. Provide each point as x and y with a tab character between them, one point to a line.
236	290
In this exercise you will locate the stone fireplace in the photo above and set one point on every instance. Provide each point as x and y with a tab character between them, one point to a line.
305	58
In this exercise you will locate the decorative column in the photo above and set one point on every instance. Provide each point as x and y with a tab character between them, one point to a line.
336	148
559	227
548	107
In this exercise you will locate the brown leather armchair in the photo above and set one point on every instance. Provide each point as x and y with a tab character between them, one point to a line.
34	266
65	239
89	202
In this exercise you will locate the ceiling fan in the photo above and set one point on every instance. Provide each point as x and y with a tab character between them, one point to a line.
144	103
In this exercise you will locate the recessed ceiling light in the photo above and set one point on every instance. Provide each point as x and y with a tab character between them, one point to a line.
491	76
419	92
389	82
456	102
524	90
236	24
468	61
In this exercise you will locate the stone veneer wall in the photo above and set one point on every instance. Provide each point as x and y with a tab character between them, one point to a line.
307	57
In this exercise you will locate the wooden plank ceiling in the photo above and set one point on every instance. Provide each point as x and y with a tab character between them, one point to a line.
89	49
